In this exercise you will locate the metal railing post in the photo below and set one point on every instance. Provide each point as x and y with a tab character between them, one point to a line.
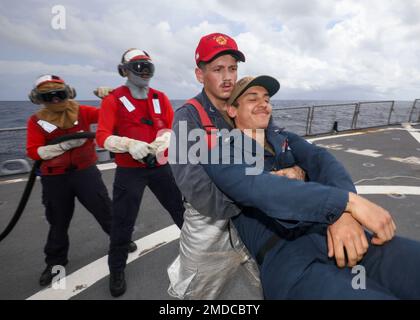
415	104
355	116
310	120
307	121
390	111
412	110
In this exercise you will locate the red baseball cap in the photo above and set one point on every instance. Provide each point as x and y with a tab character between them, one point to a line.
215	43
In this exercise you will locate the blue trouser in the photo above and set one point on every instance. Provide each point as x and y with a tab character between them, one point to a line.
58	195
129	185
301	269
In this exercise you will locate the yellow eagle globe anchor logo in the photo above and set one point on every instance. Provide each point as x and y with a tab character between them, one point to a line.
221	40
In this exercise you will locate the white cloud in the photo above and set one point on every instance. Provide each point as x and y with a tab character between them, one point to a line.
24	73
368	49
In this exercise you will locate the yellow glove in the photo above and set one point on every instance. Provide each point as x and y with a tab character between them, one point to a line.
161	143
137	149
54	150
102	92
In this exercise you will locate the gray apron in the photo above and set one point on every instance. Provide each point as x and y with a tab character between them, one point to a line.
210	253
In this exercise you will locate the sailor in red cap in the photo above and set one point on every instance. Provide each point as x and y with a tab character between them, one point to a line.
68	168
210	251
134	123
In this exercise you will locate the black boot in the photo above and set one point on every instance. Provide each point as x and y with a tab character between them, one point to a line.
47	276
132	247
117	284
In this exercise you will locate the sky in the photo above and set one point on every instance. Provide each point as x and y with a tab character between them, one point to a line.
317	49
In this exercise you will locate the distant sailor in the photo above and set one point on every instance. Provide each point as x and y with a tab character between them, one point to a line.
68	169
134	123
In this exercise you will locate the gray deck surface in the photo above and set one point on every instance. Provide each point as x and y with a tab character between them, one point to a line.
21	253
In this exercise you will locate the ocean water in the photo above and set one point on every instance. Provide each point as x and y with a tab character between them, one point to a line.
289	114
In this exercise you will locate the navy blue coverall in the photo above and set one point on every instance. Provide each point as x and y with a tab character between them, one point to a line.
297	265
58	195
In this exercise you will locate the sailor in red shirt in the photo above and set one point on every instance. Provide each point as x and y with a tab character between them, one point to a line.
134	123
68	169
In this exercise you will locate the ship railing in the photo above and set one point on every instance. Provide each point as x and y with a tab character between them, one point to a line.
305	121
332	118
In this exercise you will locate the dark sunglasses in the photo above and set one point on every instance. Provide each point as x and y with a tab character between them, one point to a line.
49	96
141	67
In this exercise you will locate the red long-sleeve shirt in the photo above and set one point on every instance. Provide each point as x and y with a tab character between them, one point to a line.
139	119
108	117
36	135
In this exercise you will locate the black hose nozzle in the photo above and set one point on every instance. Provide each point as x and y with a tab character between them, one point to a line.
150	160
